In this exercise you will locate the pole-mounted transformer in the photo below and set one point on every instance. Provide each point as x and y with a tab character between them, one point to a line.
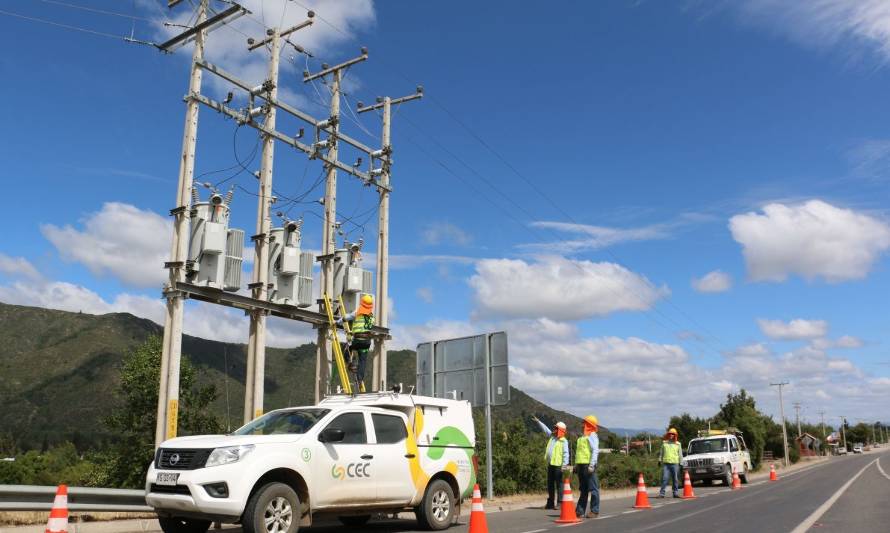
290	269
215	251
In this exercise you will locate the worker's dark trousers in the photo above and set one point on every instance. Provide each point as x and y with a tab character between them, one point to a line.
590	490
554	484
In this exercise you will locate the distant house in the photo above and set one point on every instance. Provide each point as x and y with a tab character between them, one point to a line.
808	445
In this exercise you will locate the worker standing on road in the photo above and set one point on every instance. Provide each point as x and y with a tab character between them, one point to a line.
360	323
586	454
557	458
671	456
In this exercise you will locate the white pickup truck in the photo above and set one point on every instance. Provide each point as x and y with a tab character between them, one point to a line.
349	456
715	456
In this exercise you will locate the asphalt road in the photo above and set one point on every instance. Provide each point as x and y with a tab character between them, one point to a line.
849	493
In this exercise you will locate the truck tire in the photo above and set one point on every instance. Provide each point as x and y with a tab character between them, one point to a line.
437	510
183	525
354	520
727	476
743	475
276	501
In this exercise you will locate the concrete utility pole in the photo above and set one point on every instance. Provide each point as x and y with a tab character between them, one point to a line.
782	412
329	228
822	416
256	344
171	351
382	296
797	415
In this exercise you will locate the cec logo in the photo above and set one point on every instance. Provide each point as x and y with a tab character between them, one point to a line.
353	470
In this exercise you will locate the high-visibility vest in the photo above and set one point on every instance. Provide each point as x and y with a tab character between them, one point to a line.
582	451
362	324
556	452
670	452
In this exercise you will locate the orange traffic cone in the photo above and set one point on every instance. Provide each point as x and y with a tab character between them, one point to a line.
687	486
736	482
642	496
58	516
772	473
477	514
567	510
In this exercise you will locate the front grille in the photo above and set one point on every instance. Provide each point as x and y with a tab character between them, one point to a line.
700	462
181	459
167	489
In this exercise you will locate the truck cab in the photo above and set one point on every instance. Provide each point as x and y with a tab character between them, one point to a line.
349	457
715	454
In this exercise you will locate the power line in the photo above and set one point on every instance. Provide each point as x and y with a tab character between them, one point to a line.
67	26
94	10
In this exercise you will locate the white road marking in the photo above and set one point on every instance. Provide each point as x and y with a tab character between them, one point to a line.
817	514
878	464
631	511
535	531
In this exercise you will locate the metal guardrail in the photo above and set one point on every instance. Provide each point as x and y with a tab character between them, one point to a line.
39	498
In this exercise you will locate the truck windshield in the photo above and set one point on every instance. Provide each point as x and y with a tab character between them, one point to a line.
284	422
707	446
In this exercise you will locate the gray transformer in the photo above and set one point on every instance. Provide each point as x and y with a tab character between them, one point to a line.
350	280
290	270
215	252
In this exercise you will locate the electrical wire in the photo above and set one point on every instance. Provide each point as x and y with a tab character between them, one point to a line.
94	10
61	25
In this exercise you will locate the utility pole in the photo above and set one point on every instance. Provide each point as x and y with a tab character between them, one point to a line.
171	351
797	415
822	416
843	432
782	412
256	344
385	156
329	235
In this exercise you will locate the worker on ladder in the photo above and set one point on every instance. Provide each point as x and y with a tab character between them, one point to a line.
360	323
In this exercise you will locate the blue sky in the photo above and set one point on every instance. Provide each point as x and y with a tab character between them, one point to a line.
660	202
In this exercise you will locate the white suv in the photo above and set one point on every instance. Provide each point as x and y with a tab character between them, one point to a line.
349	457
715	457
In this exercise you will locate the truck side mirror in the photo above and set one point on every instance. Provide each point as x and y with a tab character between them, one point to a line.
332	435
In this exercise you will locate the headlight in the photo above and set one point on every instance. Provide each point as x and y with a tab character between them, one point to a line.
229	454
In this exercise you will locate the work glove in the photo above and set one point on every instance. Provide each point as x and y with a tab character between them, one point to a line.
566	469
591	469
339	321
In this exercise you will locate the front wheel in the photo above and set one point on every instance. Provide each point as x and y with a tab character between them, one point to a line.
274	508
436	511
183	525
727	475
743	476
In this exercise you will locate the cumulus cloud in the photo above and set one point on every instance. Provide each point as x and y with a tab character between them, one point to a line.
445	233
17	267
846	342
797	329
559	289
715	281
825	23
814	240
120	240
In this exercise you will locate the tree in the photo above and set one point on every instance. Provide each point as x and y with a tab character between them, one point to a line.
125	462
740	412
687	426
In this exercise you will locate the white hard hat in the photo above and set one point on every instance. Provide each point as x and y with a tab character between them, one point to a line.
561	425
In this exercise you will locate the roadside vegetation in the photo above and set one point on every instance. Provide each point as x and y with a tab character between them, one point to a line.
517	453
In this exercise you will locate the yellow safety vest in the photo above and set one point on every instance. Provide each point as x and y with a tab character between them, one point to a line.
557	452
582	451
670	452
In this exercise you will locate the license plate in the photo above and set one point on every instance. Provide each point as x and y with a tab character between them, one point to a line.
701	470
167	478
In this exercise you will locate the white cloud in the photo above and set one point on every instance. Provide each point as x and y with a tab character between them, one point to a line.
17	267
559	288
845	342
814	240
425	294
121	240
715	281
445	233
797	329
595	237
335	23
825	23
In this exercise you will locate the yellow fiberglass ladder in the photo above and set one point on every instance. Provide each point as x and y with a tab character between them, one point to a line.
348	330
345	384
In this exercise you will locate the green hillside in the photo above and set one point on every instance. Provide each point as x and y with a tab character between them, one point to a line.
59	371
